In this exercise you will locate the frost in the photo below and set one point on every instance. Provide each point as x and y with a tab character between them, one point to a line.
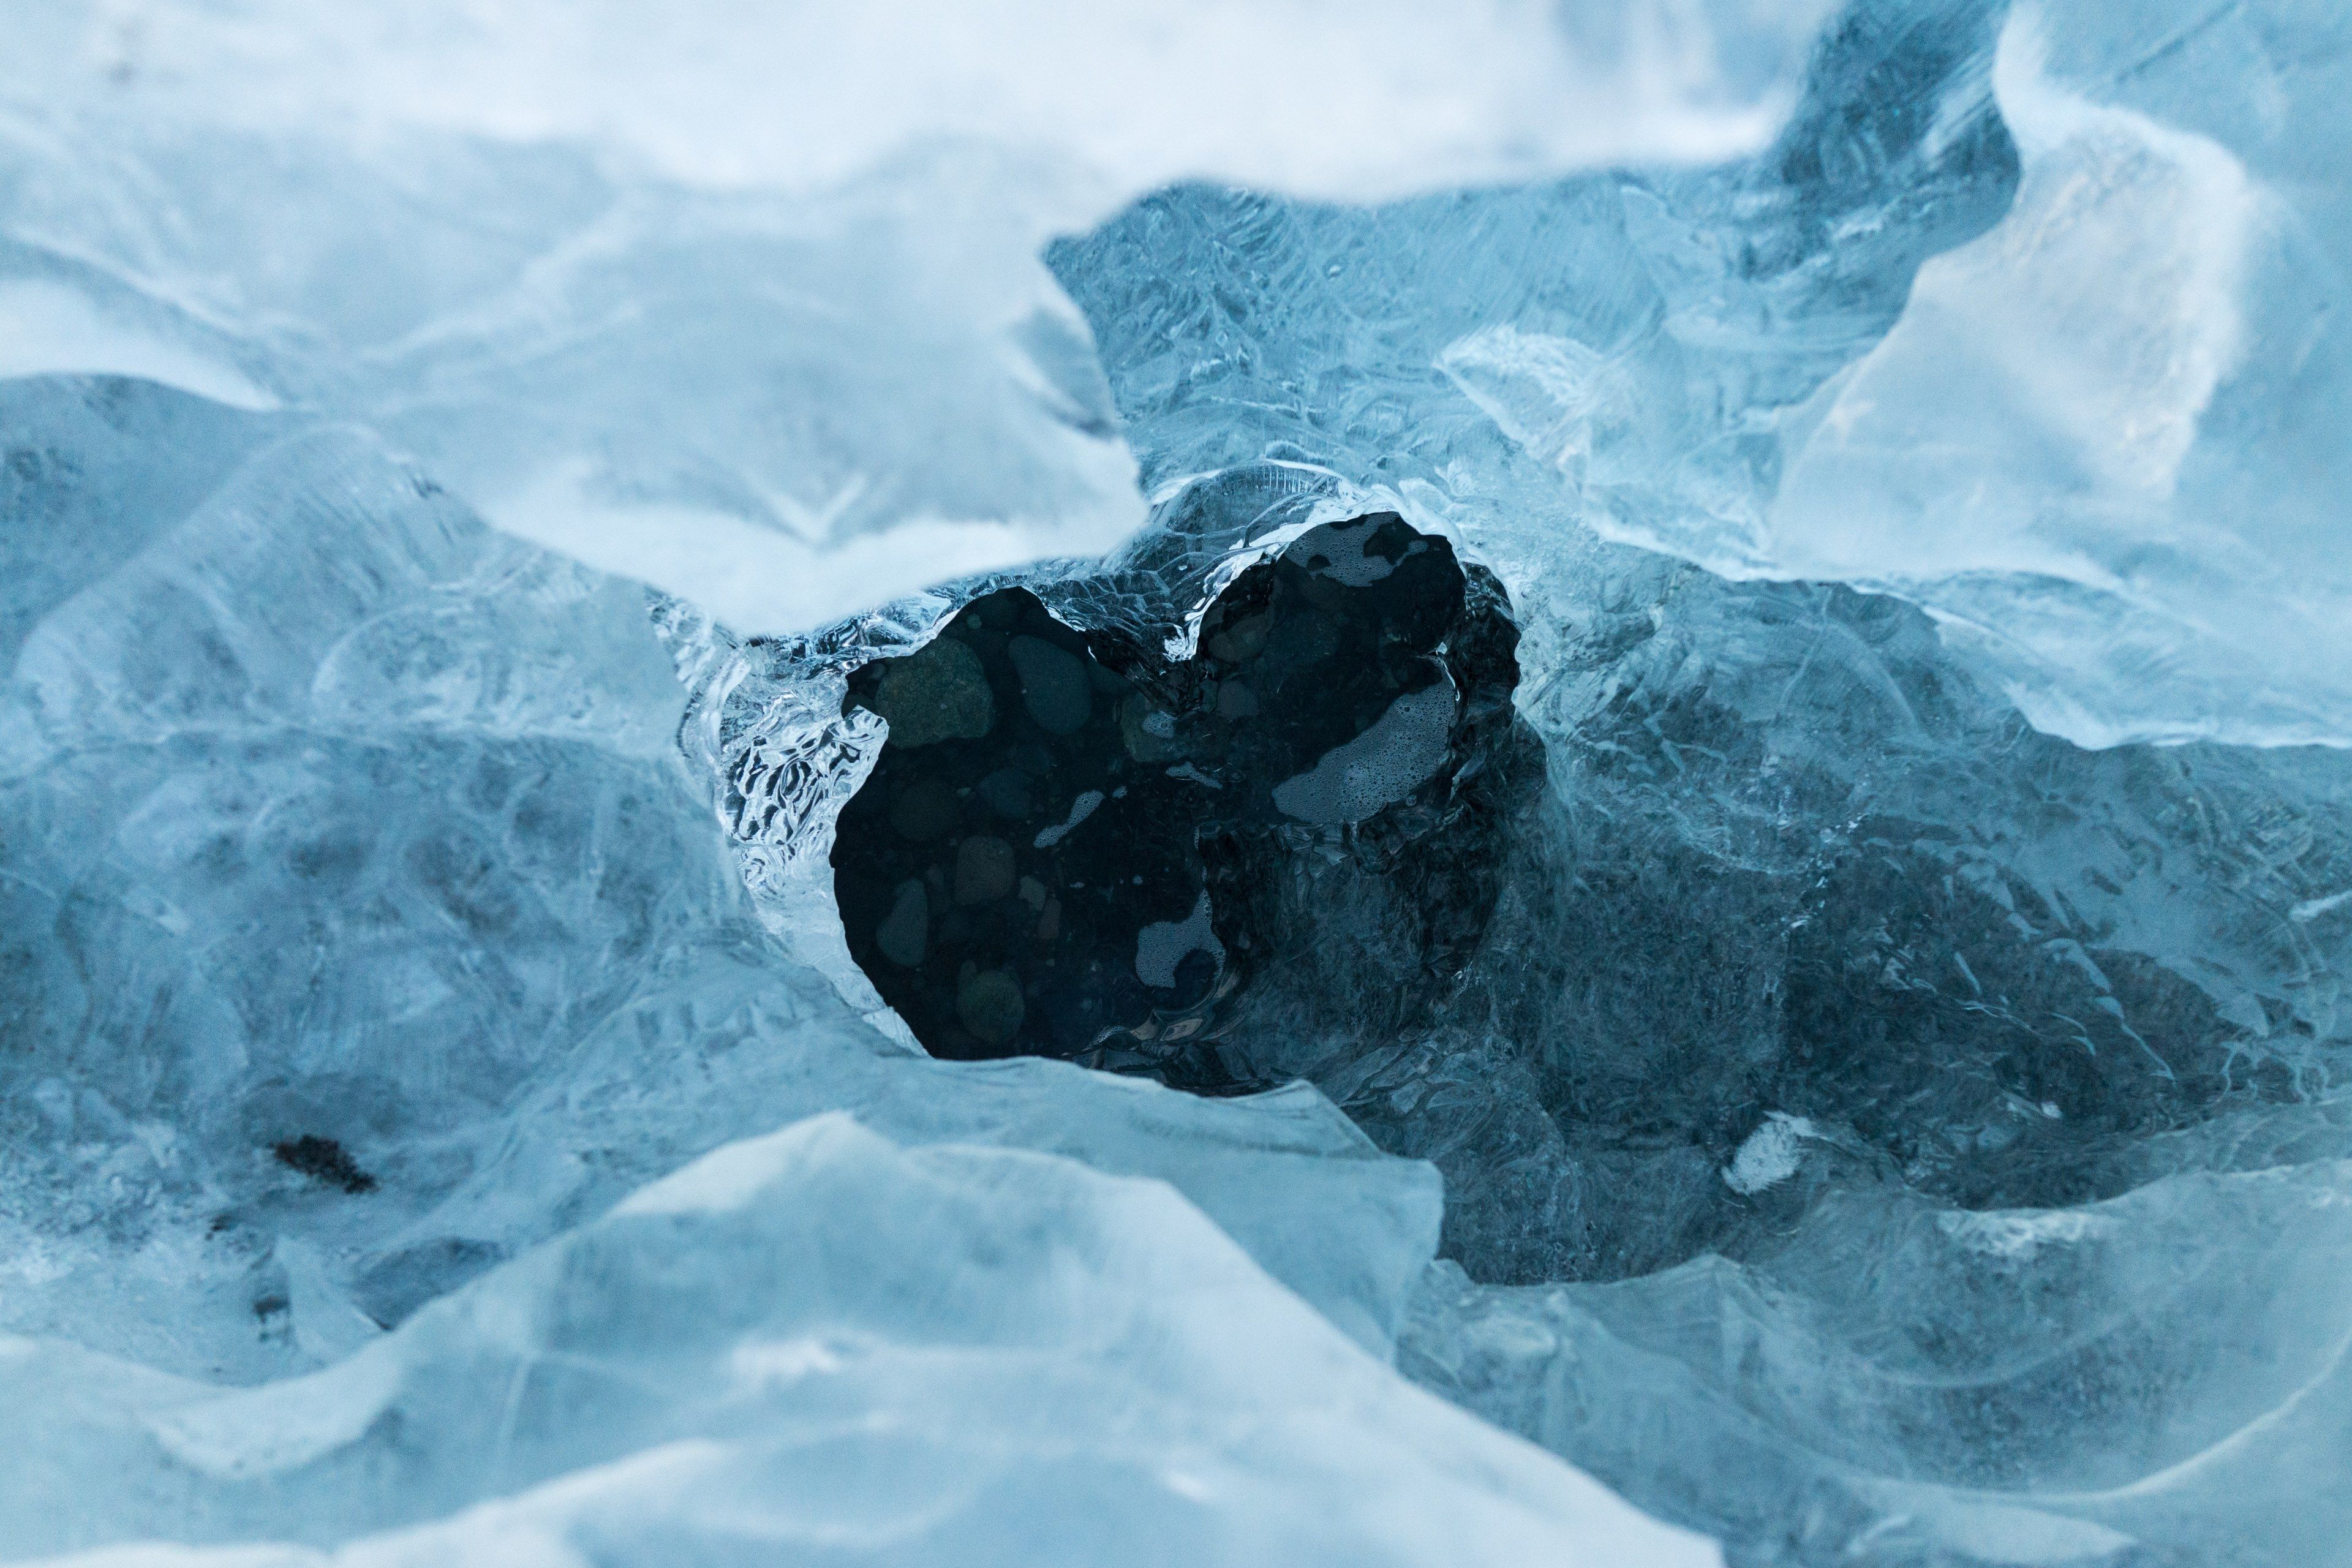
1769	1155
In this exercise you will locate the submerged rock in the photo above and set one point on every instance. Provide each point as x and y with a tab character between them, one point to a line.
937	694
1091	875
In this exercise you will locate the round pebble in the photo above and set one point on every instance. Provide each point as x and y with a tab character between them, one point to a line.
989	1004
937	693
1055	685
984	870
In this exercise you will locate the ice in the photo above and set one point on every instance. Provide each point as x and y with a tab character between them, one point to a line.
2112	382
368	938
508	948
2162	1370
783	407
824	1343
1128	97
1771	1155
1810	926
2023	318
1529	365
1867	962
1842	1039
759	321
50	328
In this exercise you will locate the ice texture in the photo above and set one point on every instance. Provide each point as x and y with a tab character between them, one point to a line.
1887	1110
822	1346
2089	446
1872	1122
760	322
376	974
2029	317
2160	1377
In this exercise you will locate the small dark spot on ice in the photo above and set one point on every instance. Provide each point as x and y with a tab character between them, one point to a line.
324	1159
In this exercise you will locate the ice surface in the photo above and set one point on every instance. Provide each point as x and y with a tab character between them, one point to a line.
367	931
2088	445
783	406
1829	918
745	302
820	1343
506	947
1300	95
2162	1373
1889	1110
2026	318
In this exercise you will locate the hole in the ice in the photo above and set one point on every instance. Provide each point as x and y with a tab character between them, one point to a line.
1072	846
1659	1011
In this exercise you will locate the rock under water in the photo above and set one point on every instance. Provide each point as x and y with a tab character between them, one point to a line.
1071	843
